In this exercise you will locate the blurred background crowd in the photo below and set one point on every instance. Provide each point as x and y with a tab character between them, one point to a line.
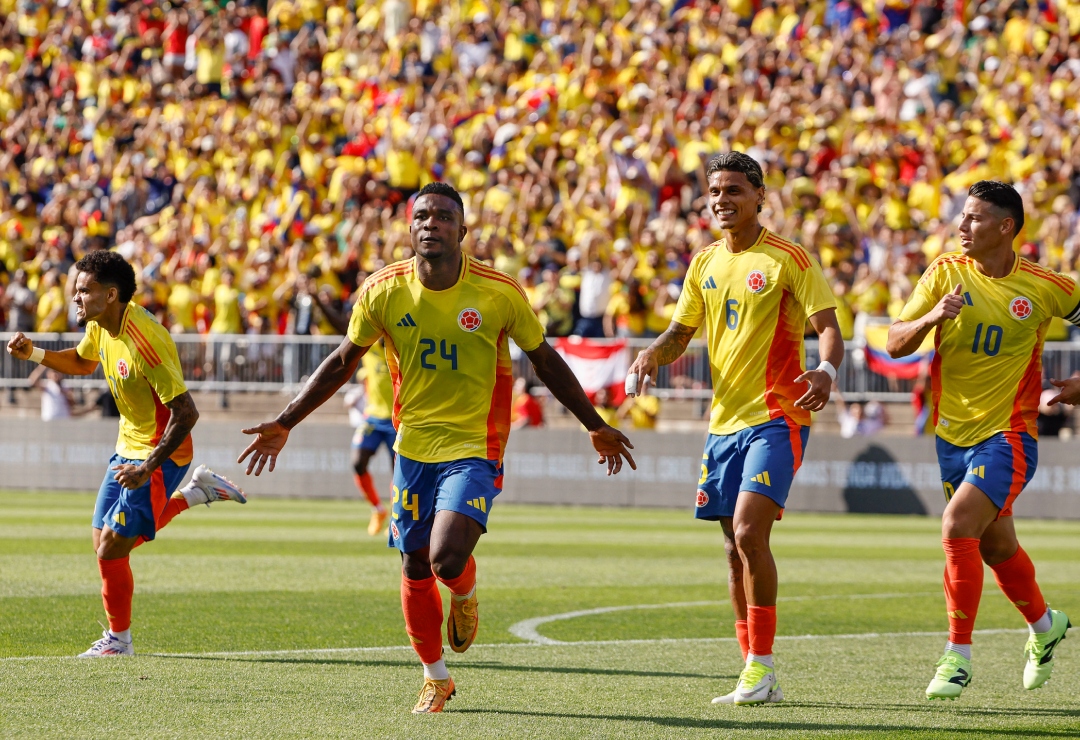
255	160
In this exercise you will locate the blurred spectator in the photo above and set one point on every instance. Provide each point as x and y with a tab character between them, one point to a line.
643	411
859	419
57	401
20	304
1056	420
527	410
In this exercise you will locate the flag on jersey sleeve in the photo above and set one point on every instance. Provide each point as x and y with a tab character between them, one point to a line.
878	360
597	364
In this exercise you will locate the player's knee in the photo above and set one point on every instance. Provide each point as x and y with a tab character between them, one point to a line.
731	550
751	542
448	564
415	568
996	552
111	548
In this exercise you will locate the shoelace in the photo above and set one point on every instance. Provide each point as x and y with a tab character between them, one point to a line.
429	692
752	674
1031	648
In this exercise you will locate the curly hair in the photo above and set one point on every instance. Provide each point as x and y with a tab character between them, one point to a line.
109	268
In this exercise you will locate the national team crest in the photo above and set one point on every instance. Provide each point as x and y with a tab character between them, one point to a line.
702	498
469	319
1020	307
755	281
394	530
122	368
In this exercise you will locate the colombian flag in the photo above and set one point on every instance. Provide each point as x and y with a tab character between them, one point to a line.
878	360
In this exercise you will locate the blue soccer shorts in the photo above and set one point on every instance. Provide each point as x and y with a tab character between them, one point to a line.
134	512
1000	467
420	490
373	433
761	459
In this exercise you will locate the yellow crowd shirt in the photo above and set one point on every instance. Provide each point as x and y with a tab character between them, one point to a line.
449	357
754	306
143	370
986	374
378	385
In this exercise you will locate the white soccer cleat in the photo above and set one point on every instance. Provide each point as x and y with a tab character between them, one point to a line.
216	487
757	683
108	647
776	695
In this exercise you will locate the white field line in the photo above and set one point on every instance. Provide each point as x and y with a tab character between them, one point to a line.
541	641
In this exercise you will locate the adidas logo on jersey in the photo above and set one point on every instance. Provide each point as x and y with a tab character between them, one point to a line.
708	284
478	503
763	478
407	321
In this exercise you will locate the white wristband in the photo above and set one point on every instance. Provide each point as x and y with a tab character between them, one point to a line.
37	354
828	368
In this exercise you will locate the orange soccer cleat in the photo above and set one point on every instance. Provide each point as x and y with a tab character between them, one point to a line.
434	696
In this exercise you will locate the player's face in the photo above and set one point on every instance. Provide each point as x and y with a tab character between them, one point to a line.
983	227
91	298
733	201
436	228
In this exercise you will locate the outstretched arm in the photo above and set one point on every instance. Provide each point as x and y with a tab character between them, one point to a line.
610	444
182	418
333	373
667	348
66	361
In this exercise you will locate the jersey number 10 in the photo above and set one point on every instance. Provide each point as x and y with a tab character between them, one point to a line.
992	342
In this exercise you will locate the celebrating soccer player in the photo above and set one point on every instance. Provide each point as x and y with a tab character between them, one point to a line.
989	310
153	450
753	290
446	320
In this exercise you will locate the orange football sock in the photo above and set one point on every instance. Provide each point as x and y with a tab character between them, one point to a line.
176	505
963	586
422	605
742	634
761	626
1016	578
367	486
464	583
117	586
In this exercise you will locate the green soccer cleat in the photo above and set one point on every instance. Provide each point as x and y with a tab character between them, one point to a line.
1040	650
757	683
953	674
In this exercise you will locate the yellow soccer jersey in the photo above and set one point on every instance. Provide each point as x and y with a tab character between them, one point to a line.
754	306
378	385
987	369
448	356
143	370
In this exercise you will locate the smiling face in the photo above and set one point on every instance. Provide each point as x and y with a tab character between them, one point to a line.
984	227
437	226
92	298
733	200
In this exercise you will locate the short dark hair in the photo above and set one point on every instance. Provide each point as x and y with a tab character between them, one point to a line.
109	268
1002	195
737	162
441	188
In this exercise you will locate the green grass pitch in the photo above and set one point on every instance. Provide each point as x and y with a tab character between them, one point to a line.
283	619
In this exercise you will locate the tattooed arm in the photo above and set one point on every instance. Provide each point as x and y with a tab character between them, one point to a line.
667	348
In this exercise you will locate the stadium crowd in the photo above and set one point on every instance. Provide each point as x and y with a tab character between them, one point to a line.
256	161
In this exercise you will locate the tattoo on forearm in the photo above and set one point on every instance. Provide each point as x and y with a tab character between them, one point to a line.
181	422
670	345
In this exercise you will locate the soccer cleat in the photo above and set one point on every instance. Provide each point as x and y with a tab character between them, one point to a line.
216	487
953	674
434	696
462	623
1040	650
378	519
756	682
108	647
776	695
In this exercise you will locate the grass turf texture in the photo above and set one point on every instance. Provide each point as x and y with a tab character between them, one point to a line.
303	575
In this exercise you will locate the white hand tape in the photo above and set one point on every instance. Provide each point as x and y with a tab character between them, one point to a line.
631	384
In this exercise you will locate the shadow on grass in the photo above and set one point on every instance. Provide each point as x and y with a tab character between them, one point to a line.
480	665
937	706
761	724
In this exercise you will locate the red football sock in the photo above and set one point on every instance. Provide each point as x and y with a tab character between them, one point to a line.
742	634
761	626
176	505
464	583
963	586
367	486
422	605
117	586
1016	578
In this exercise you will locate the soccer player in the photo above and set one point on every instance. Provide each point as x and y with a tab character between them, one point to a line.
153	449
377	430
753	291
446	320
989	310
